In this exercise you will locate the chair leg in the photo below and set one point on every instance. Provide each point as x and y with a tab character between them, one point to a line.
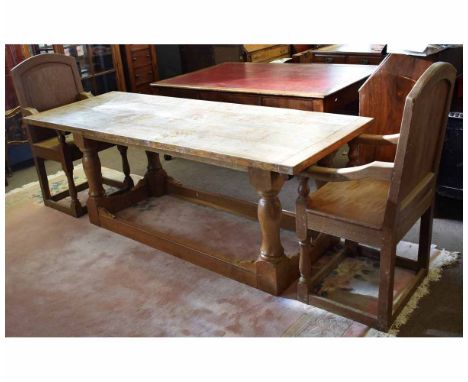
75	206
128	181
305	236
352	247
42	176
387	276
425	238
305	268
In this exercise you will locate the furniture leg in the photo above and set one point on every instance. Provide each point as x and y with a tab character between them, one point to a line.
304	235
305	268
274	270
42	176
425	238
155	174
352	247
92	168
128	181
387	273
75	206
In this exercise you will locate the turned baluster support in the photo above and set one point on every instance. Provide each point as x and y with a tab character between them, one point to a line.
67	167
92	168
128	181
155	174
274	269
305	236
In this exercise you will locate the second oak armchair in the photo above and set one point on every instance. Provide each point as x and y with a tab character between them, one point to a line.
377	203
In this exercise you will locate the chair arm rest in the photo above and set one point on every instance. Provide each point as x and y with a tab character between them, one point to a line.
376	139
374	170
10	113
84	95
29	111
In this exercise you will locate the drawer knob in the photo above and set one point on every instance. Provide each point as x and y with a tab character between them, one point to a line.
329	59
365	61
133	58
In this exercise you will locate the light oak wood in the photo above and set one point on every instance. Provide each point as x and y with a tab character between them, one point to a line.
380	208
236	136
361	202
267	142
375	170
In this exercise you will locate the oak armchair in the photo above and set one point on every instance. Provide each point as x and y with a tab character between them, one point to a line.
375	204
44	82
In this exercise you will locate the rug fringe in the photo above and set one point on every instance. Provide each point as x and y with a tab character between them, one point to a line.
433	275
35	182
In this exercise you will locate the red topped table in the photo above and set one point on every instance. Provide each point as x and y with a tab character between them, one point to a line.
313	87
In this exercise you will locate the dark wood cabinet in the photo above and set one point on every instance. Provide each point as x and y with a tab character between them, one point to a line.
141	67
367	54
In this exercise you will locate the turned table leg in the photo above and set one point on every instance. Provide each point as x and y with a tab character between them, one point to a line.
128	181
274	270
304	236
92	168
155	174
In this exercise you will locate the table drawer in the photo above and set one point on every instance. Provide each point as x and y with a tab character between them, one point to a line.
329	59
145	89
269	53
364	60
288	103
144	75
246	99
140	57
176	92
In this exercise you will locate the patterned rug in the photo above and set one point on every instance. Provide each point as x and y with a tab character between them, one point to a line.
67	277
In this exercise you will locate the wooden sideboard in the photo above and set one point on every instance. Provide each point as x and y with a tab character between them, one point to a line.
365	54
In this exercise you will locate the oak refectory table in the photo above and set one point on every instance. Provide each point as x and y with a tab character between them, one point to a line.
268	143
314	87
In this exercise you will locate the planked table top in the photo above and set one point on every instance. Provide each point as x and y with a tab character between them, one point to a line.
224	134
299	80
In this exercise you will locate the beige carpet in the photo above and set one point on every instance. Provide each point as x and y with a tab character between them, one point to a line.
67	277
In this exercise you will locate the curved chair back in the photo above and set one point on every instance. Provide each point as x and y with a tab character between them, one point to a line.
422	134
44	82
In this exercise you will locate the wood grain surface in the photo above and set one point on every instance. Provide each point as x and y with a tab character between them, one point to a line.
224	134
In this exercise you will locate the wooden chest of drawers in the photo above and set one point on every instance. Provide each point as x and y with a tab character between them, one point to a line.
141	68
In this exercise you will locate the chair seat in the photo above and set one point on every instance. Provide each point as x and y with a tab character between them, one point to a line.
54	143
360	202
